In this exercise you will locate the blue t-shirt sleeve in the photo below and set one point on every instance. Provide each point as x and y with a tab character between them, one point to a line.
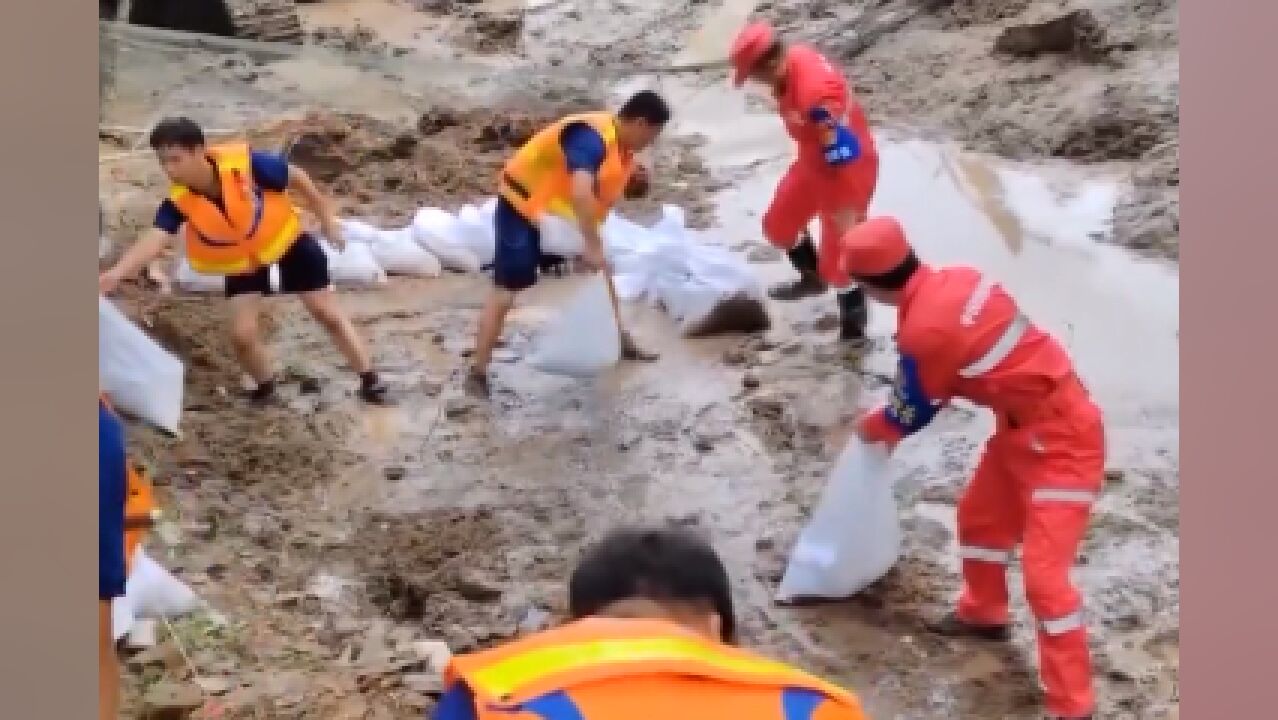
168	218
112	492
583	147
457	703
270	170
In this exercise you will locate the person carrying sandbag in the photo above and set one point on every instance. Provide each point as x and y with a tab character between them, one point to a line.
653	635
961	335
239	223
576	168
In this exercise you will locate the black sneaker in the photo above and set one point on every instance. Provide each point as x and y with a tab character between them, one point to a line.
371	389
264	394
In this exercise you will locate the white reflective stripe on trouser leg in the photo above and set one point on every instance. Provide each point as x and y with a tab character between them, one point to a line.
1063	624
1085	497
982	554
1002	347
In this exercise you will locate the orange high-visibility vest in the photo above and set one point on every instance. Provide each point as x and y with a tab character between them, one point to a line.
140	508
256	229
536	179
630	669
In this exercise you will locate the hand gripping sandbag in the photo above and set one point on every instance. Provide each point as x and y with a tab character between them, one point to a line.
141	378
354	266
584	339
854	536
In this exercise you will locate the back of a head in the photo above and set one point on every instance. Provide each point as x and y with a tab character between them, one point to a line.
176	132
667	566
648	106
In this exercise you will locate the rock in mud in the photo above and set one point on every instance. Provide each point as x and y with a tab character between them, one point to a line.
1076	32
167	700
763	254
738	314
475	587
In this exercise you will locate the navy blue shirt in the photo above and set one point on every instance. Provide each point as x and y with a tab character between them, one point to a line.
112	493
270	172
457	703
583	147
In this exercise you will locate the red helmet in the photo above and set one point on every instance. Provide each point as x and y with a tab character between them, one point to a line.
874	247
751	43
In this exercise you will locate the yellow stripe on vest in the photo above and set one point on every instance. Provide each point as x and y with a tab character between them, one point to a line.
508	676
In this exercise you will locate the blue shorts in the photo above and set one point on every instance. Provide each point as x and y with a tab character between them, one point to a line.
112	492
303	268
518	251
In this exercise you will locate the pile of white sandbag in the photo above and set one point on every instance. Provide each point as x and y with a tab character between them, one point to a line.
665	264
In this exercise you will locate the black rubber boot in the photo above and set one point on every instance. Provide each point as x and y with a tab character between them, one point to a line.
854	314
803	257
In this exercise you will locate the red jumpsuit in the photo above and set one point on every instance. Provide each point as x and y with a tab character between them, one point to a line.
811	188
960	335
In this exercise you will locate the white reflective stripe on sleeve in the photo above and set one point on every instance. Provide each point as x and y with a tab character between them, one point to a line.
990	555
1061	495
1062	625
1003	347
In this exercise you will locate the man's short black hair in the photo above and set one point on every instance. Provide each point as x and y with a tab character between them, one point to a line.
664	564
178	132
648	106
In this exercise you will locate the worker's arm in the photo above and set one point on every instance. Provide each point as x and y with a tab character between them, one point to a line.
923	385
583	208
299	181
839	143
584	153
147	248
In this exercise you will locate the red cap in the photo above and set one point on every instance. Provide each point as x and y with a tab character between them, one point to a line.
751	43
874	247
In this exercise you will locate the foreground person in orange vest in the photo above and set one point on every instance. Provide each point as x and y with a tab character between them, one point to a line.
653	638
577	168
961	335
126	510
239	221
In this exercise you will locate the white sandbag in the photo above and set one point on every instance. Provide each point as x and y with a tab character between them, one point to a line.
584	339
560	236
441	234
358	231
150	591
141	378
397	254
854	535
476	233
354	266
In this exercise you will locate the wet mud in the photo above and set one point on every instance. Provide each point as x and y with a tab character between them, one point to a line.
336	539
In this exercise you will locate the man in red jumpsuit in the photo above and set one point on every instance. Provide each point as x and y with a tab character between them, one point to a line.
960	335
833	177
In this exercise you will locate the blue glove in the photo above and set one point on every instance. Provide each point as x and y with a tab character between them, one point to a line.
843	147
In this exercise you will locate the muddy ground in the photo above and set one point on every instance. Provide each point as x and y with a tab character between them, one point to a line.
335	538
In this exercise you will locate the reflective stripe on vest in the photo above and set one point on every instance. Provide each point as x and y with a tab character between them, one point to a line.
796	704
1006	342
536	180
505	677
254	228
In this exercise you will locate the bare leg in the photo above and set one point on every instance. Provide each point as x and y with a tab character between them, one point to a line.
246	336
322	305
491	321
